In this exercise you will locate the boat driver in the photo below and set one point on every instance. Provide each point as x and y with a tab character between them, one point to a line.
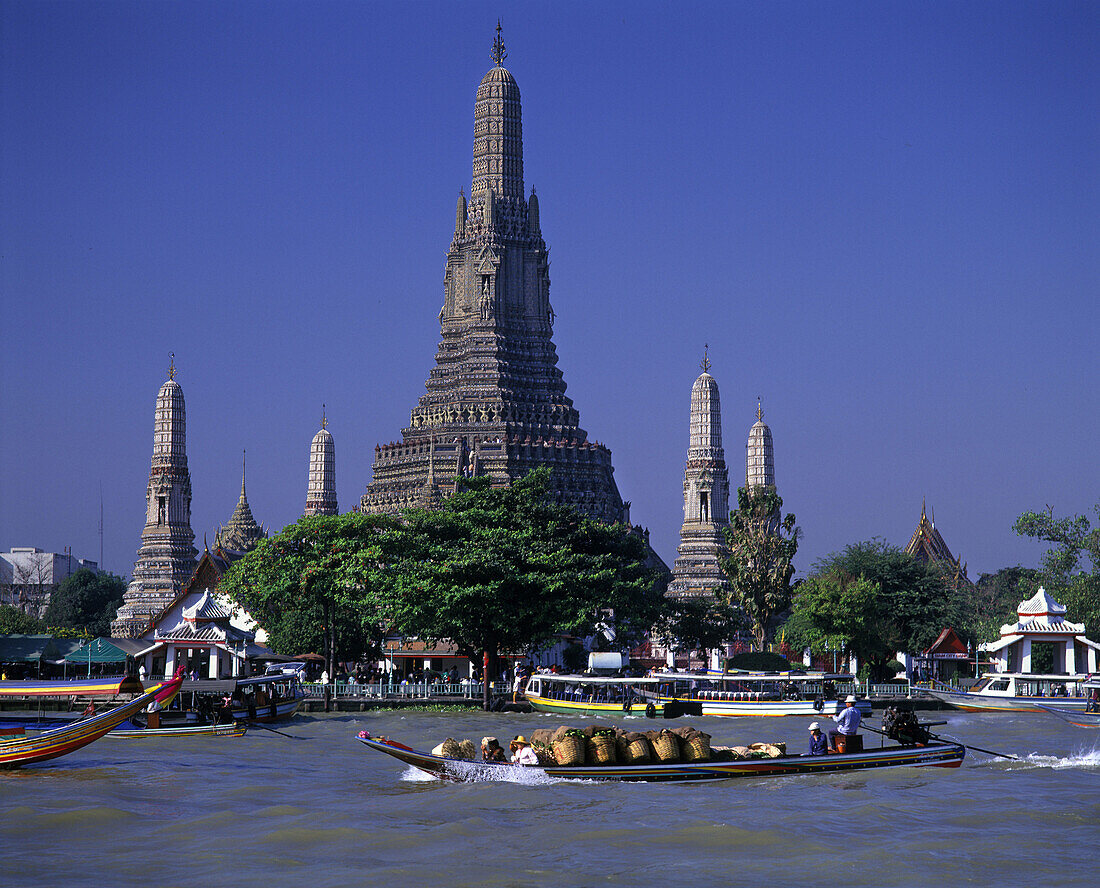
847	721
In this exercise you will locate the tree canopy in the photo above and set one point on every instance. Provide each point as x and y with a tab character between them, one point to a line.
873	599
14	622
505	569
492	570
310	585
86	601
1061	569
762	544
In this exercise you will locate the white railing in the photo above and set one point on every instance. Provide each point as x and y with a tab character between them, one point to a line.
402	691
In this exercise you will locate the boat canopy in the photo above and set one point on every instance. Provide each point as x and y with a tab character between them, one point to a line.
594	679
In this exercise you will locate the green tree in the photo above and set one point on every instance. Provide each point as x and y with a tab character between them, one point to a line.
498	570
994	598
86	601
698	622
1061	569
15	622
874	599
762	544
310	585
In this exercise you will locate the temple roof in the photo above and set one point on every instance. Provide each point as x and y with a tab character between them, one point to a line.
927	545
242	533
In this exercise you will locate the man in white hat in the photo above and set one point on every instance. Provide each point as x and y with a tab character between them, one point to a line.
847	725
818	744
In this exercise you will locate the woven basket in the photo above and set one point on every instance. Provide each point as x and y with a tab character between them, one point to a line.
667	747
638	752
545	755
449	748
569	751
468	750
697	749
600	751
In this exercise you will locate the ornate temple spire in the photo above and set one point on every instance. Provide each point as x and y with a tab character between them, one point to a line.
495	402
166	558
499	53
498	131
321	490
698	570
241	533
759	454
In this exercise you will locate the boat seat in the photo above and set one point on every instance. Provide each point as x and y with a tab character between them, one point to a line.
849	743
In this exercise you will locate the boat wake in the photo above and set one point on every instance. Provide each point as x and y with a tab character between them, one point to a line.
1085	760
472	772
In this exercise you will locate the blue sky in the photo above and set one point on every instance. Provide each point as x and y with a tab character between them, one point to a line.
881	217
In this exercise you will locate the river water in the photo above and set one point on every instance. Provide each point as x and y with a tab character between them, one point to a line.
322	810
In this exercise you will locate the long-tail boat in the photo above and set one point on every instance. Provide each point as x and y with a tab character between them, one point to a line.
940	755
92	688
19	751
234	729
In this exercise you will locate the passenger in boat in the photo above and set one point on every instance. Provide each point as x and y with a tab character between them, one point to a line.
819	744
522	753
847	721
491	750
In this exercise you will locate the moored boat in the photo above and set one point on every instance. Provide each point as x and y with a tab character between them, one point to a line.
19	751
672	694
267	698
235	729
1017	692
1089	716
941	755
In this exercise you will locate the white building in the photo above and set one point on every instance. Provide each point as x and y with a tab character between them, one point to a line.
1041	620
28	576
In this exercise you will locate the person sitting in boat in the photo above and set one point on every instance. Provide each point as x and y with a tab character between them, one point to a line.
819	744
491	750
522	753
847	721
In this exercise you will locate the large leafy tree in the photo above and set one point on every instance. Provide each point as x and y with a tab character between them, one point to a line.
762	543
310	586
14	622
86	601
874	599
994	598
703	622
499	570
1062	569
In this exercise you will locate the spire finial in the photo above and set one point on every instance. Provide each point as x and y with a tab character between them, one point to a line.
324	419
171	365
499	53
705	363
759	409
243	454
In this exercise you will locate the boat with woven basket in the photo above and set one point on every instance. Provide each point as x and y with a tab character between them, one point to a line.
761	763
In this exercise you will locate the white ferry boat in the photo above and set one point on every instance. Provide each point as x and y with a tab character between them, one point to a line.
1018	692
672	694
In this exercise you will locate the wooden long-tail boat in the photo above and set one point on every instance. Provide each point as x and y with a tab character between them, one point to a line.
234	729
1076	717
92	688
86	687
61	741
940	755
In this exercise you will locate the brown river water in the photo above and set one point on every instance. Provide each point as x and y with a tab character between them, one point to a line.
322	810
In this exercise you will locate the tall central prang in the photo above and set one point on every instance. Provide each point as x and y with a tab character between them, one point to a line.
495	403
